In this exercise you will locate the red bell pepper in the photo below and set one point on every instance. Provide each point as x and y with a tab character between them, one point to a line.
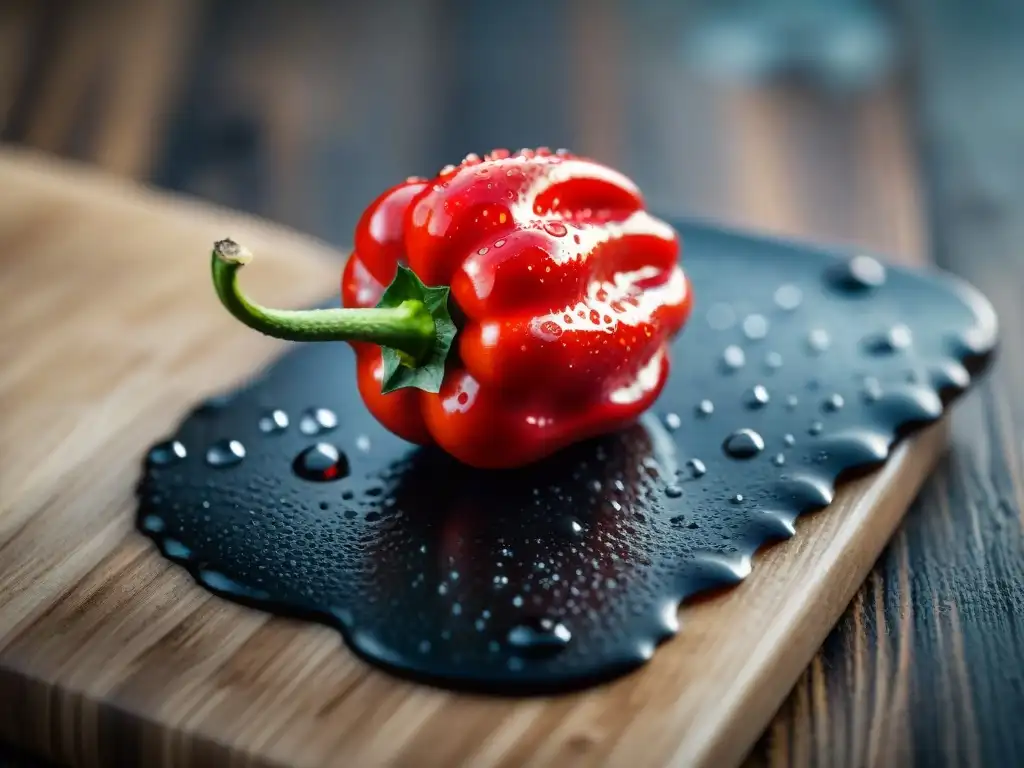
564	295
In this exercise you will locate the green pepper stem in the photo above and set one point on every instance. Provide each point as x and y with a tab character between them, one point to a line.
407	328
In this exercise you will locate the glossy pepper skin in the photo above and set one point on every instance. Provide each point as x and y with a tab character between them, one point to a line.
565	290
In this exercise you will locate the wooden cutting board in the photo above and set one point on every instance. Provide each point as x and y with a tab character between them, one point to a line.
110	654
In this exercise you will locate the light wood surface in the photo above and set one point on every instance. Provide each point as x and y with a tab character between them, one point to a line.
107	652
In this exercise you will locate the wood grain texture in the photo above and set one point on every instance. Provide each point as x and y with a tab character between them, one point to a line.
926	668
311	144
108	652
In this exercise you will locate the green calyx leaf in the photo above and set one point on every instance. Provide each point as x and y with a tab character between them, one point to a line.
400	368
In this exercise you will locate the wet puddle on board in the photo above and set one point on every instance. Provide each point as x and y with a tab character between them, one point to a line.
796	367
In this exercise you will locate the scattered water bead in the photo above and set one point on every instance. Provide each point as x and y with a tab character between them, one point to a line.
539	637
672	421
152	523
225	453
733	358
861	273
321	463
757	397
721	316
273	422
317	421
673	491
788	297
789	439
705	408
755	327
779	459
818	341
696	468
363	443
743	444
833	402
737	498
815	428
872	389
166	453
900	336
773	361
896	339
792	401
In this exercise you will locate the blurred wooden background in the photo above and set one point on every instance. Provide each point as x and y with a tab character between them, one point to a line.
898	126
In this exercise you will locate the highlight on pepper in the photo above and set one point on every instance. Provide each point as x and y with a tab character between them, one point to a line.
510	306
